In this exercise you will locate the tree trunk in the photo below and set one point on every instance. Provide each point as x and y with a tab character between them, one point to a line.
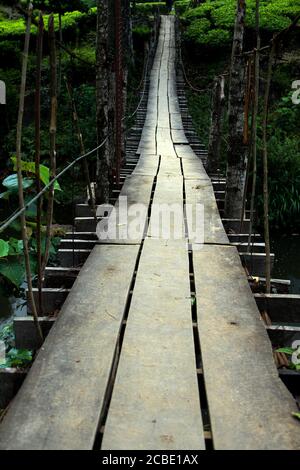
127	31
254	120
119	87
215	136
37	106
102	89
19	172
265	166
128	62
237	153
52	132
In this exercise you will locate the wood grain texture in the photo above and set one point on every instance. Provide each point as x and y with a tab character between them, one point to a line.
249	406
59	404
155	403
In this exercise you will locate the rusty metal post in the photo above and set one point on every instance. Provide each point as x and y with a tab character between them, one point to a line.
119	87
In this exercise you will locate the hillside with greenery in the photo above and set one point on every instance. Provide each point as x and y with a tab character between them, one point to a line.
207	32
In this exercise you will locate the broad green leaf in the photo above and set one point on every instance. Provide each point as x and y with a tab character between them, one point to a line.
11	183
5	195
13	269
15	246
296	415
29	167
4	248
286	350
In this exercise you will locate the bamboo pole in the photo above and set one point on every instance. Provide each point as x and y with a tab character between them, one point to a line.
254	118
19	171
37	106
265	168
248	99
52	130
82	148
60	53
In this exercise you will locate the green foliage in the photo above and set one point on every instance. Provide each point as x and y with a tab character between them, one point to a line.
29	167
7	335
150	8
12	266
4	248
70	21
199	107
197	30
284	166
142	32
11	183
181	6
275	16
289	352
19	358
13	270
284	181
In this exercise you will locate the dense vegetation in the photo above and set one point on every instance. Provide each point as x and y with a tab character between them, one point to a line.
207	32
76	66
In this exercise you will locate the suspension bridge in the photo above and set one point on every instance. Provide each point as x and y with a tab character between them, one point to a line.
159	343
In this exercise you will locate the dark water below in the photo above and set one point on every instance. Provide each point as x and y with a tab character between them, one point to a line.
287	260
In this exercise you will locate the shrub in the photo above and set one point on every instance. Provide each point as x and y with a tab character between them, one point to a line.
150	8
141	32
181	6
275	16
197	30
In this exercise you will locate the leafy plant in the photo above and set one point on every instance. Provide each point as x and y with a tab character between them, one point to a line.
29	167
289	352
11	184
17	358
275	15
296	415
4	248
7	335
14	357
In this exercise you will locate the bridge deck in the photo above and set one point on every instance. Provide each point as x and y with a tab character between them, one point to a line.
135	297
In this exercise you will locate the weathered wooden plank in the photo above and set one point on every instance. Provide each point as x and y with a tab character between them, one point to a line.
167	217
59	404
186	153
155	402
169	165
194	170
249	406
130	220
147	165
199	192
176	121
179	137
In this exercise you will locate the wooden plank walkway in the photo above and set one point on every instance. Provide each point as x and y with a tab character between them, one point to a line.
155	403
155	326
249	406
60	403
